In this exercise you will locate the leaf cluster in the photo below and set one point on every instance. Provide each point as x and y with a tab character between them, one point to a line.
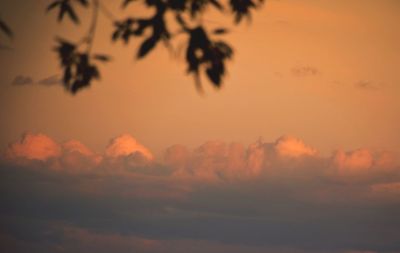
204	54
79	69
66	7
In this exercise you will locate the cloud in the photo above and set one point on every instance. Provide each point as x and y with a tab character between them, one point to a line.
22	80
51	80
277	196
386	188
78	157
214	161
354	161
75	146
366	84
72	155
288	146
304	71
34	147
126	145
363	165
25	80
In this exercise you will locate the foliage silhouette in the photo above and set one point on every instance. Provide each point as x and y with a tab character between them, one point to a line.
5	28
65	7
204	54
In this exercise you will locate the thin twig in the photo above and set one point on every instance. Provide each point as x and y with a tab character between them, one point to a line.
106	12
93	26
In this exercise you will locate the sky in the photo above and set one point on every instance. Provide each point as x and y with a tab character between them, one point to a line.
297	152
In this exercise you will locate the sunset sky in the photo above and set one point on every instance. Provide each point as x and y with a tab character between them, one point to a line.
297	152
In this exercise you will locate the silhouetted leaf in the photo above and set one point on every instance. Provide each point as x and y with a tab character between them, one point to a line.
196	7
178	5
124	29
102	57
180	21
241	8
216	4
116	34
5	28
84	2
203	54
53	5
220	31
67	76
147	46
215	73
224	49
79	72
65	8
68	9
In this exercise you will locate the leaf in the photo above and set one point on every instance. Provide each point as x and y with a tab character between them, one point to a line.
217	4
72	14
224	49
241	8
116	34
65	8
215	73
67	76
61	13
147	46
5	28
220	31
102	57
84	2
177	5
53	5
180	20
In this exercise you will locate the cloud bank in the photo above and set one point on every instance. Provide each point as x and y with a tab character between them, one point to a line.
279	196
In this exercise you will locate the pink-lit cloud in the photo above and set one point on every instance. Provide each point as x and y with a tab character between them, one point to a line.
213	161
288	146
34	147
126	145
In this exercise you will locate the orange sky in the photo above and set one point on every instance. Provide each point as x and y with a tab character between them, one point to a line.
324	71
298	152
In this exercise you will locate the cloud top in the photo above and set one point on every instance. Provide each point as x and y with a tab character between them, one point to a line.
34	147
126	145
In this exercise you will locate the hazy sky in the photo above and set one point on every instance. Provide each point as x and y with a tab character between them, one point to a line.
325	71
298	152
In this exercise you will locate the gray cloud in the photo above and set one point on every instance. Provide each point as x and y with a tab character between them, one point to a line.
51	80
22	80
366	84
303	71
277	196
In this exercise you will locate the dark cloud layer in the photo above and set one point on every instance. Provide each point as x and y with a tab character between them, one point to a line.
280	196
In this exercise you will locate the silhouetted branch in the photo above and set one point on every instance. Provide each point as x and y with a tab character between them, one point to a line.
93	26
204	54
79	71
